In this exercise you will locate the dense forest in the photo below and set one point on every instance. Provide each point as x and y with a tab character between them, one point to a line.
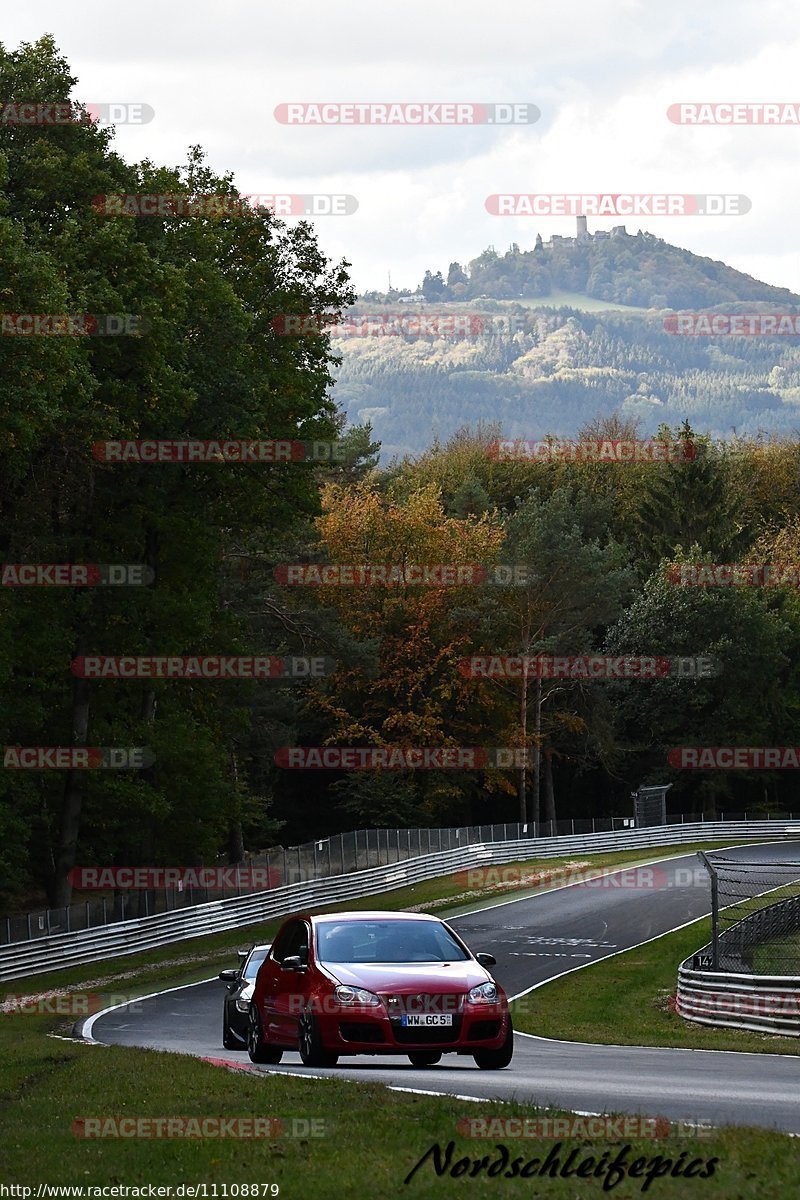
598	541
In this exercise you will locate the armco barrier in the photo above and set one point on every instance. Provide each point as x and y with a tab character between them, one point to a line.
763	1003
145	933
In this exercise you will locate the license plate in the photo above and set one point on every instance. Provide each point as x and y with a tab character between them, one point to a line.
426	1019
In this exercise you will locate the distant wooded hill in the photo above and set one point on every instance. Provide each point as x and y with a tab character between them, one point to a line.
552	369
640	270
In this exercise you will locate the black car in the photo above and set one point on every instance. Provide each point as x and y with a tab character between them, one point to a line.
236	1005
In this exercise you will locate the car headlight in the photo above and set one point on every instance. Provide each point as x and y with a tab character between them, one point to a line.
484	993
354	995
244	998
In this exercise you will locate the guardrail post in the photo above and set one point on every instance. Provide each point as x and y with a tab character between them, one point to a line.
714	910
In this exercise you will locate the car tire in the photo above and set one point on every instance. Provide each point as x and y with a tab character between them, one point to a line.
495	1060
424	1058
258	1051
309	1043
228	1040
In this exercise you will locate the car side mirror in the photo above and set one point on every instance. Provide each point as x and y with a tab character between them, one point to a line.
293	963
229	976
485	959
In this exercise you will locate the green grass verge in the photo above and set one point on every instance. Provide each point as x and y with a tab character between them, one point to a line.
372	1138
779	956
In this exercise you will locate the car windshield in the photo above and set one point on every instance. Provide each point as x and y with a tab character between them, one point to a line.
386	942
253	963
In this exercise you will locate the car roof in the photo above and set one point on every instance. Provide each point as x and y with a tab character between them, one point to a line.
368	915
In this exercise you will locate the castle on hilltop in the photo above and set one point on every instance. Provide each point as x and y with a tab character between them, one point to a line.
582	235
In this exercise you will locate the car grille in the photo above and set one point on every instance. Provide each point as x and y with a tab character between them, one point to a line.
361	1031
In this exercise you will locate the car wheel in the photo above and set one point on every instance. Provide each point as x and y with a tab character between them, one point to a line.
228	1040
259	1053
424	1058
495	1060
309	1043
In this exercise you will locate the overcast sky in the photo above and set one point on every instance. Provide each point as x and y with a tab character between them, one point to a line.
602	72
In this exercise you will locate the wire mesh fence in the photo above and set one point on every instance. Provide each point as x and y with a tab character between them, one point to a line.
755	916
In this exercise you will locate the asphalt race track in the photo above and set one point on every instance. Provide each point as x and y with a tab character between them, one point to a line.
534	940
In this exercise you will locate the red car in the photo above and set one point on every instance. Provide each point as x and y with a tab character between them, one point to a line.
376	983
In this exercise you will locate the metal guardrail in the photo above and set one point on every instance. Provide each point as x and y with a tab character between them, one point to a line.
762	1003
340	854
145	933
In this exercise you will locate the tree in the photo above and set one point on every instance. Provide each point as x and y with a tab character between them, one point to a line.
209	363
574	585
749	700
687	501
433	286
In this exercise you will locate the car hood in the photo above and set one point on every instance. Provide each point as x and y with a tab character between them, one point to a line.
403	978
